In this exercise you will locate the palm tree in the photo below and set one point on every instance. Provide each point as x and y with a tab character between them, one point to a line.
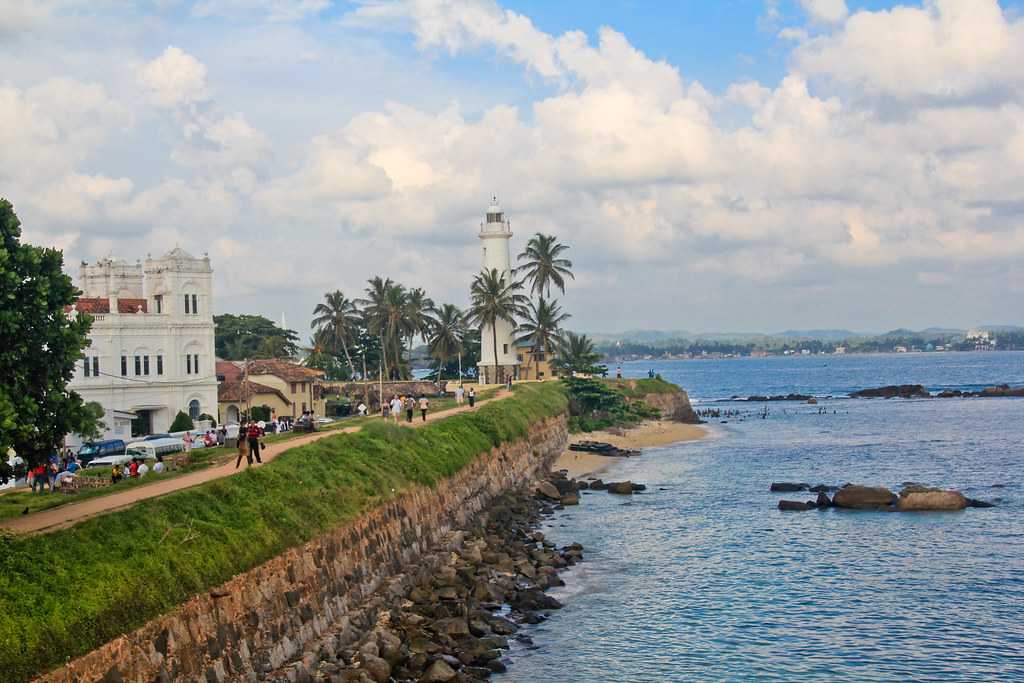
544	265
375	311
494	297
541	328
576	354
420	314
446	335
339	318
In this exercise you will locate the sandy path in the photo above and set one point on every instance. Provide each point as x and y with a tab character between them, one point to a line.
69	515
647	435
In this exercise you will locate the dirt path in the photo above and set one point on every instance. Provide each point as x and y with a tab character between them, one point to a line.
69	515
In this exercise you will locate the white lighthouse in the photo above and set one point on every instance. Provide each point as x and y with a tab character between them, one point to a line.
495	235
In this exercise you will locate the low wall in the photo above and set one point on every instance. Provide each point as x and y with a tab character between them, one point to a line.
326	593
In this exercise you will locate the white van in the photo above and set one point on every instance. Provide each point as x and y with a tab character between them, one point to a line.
146	450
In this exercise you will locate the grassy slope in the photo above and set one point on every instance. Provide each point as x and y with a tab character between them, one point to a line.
644	386
65	593
12	504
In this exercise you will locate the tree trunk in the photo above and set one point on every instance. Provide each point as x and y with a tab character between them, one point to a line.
384	358
498	376
351	367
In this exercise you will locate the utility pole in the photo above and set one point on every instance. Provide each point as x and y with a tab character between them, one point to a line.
380	395
460	368
245	388
366	388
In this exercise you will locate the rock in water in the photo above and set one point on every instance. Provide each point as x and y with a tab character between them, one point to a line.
975	503
788	487
548	490
570	499
796	505
919	501
823	500
863	497
621	487
893	391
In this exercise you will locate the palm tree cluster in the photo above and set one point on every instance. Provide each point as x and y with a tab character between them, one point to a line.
498	296
381	328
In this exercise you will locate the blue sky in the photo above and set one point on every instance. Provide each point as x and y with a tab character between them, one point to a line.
743	164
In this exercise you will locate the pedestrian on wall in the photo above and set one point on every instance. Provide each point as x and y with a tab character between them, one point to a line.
187	438
254	435
472	397
410	405
424	406
243	446
396	408
460	394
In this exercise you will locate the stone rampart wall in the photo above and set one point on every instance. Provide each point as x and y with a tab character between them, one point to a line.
324	594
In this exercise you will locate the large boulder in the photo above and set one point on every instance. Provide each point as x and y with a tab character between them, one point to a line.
548	490
621	487
439	672
863	497
796	505
919	501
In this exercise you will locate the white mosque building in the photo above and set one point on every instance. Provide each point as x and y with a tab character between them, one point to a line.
495	237
151	347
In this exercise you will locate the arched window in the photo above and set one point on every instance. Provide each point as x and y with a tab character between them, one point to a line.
232	414
193	409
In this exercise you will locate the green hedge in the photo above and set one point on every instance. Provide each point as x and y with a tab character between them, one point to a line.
65	593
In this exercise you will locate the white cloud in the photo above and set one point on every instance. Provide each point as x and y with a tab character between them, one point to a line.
272	10
175	79
825	11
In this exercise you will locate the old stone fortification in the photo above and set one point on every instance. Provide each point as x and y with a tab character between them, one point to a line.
358	391
325	594
674	406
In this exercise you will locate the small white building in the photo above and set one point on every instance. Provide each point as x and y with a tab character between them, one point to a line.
496	234
151	348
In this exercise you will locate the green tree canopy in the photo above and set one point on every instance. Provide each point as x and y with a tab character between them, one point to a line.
576	354
181	422
39	346
494	297
252	336
544	265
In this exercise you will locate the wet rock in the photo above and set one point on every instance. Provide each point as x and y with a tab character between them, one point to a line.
620	487
796	505
598	485
935	500
788	487
894	391
975	503
378	669
823	488
863	497
570	499
823	500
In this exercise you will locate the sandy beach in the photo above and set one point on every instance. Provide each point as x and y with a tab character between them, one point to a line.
647	435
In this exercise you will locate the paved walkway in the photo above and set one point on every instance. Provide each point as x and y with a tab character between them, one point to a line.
68	515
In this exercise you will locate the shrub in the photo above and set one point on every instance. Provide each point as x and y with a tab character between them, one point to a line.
182	422
210	418
595	404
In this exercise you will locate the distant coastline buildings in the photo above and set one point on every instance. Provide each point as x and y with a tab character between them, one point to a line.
151	348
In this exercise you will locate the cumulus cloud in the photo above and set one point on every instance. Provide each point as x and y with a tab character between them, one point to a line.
893	146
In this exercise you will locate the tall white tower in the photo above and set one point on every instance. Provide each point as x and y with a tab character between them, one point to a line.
495	235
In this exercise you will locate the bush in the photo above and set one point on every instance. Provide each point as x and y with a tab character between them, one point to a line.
260	413
596	404
182	422
210	418
132	565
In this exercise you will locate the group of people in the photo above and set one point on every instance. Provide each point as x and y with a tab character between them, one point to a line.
48	475
461	395
136	468
407	404
250	443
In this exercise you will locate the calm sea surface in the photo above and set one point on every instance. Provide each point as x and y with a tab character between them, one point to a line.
702	579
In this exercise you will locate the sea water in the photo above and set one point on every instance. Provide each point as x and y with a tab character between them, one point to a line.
701	578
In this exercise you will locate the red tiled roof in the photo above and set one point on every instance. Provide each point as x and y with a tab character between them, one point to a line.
130	305
291	372
92	305
101	305
230	370
238	391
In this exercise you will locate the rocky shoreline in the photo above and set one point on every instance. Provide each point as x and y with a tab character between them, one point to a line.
458	622
913	497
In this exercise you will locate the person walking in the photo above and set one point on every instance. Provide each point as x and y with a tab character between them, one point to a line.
460	394
243	446
396	408
187	438
508	383
254	435
410	405
472	397
116	474
424	405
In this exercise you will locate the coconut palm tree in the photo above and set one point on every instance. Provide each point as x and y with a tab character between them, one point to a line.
541	328
420	314
494	297
339	318
446	335
375	313
576	354
544	265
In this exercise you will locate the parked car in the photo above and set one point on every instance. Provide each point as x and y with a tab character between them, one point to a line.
100	449
146	449
153	437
